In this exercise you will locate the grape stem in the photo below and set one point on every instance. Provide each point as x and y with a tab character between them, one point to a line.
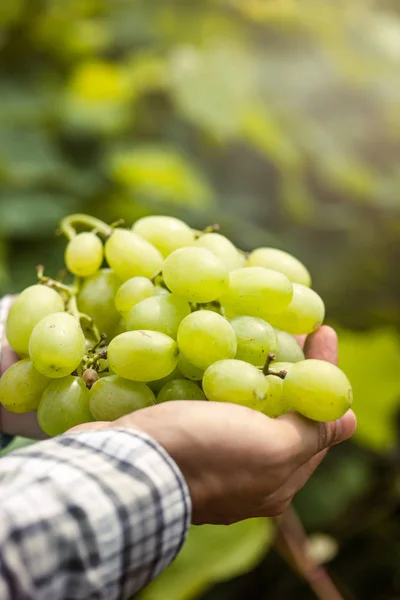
52	283
213	228
292	543
68	225
270	358
73	309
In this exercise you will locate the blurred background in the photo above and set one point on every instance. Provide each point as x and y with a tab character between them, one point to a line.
280	121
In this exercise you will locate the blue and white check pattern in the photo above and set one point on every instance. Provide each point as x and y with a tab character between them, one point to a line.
89	516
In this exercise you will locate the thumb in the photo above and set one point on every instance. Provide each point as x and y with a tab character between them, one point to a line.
306	438
92	426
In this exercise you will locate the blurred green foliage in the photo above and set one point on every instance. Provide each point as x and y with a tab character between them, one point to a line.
278	119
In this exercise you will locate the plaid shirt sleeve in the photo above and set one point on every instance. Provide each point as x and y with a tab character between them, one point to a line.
91	515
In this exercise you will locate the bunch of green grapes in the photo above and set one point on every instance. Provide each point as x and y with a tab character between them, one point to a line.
162	312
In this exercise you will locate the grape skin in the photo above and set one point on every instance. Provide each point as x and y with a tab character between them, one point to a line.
238	382
257	292
156	385
22	386
289	349
113	397
304	315
84	254
255	339
31	306
222	248
318	390
143	355
96	299
180	389
165	233
64	404
130	255
279	260
131	292
205	337
195	274
188	370
159	313
57	345
275	405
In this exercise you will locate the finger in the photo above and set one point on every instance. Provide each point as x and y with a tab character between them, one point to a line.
323	344
302	439
301	340
8	358
25	425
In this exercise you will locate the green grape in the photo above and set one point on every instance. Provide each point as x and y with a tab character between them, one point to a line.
143	355
29	308
161	291
64	404
318	390
288	348
256	292
159	383
281	261
238	382
21	387
133	291
195	274
180	389
305	313
113	397
165	233
96	299
57	345
255	339
275	405
205	337
188	370
222	248
84	254
159	313
129	255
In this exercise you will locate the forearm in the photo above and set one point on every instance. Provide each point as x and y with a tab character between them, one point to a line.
89	515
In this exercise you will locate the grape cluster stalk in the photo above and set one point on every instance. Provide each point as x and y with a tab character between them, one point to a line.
160	312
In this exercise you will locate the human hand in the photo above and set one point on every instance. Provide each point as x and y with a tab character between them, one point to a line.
237	462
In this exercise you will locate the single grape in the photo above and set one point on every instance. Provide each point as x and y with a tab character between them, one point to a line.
84	254
281	261
238	382
165	233
180	389
159	313
64	404
156	385
222	248
205	337
161	291
143	355
133	291
305	313
96	299
188	370
113	397
255	339
130	255
289	349
318	390
34	303
90	376
22	386
275	405
57	345
195	274
257	292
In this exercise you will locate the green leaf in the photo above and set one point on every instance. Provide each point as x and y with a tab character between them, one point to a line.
212	554
372	362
